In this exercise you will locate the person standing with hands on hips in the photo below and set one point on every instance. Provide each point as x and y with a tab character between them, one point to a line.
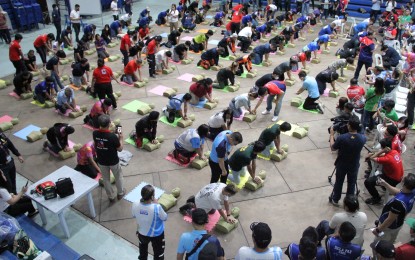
150	218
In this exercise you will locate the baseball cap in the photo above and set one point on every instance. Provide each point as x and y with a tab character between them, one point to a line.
384	248
199	217
411	222
261	232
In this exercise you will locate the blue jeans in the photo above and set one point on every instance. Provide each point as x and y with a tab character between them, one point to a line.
277	109
268	149
323	229
56	79
341	174
258	59
237	112
235	177
305	9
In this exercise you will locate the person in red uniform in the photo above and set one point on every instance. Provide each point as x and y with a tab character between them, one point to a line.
392	171
407	251
152	48
101	107
129	71
236	21
16	54
101	82
356	94
125	46
143	33
201	90
43	44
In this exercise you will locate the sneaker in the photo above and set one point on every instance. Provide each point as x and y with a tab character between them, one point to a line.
120	196
320	107
265	112
373	201
274	119
334	203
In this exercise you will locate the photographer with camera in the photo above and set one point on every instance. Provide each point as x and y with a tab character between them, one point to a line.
107	144
340	122
347	163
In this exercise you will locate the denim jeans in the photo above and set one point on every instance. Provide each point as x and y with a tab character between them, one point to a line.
268	149
305	9
258	59
56	79
277	109
235	177
237	112
367	119
410	104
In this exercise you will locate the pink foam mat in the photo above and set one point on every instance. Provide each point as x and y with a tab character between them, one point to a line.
126	84
242	115
170	158
326	92
5	119
13	94
186	77
158	90
213	220
172	61
186	38
89	127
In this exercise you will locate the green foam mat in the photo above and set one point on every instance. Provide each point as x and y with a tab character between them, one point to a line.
134	105
243	75
129	140
314	111
163	119
258	65
222	58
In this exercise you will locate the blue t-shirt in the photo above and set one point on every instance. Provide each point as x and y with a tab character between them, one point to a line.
162	15
280	85
366	52
323	38
262	49
361	26
293	251
115	25
325	30
349	146
220	147
188	20
262	28
144	13
340	250
62	98
88	29
189	240
42	87
313	46
176	102
219	15
143	21
310	84
246	19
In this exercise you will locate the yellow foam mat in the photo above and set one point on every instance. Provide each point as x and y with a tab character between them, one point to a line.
244	179
293	127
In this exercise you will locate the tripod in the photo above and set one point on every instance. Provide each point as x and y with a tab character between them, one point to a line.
332	184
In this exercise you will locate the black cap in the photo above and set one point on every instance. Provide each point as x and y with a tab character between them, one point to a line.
199	217
384	248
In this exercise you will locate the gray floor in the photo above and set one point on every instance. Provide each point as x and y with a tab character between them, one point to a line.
296	189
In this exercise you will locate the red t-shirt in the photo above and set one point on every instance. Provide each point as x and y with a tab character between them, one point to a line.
125	40
97	109
131	67
236	8
405	252
355	94
397	144
273	88
41	40
14	51
302	57
143	32
199	90
392	165
102	75
236	17
151	47
228	26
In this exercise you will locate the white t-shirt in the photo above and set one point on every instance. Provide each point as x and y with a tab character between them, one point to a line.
338	22
125	18
173	16
4	197
248	253
272	7
210	197
246	32
216	121
160	56
114	8
358	220
75	15
390	6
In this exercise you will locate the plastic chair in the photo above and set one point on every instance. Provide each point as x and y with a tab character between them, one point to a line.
378	60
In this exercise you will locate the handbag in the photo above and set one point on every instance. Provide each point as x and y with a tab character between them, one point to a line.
64	187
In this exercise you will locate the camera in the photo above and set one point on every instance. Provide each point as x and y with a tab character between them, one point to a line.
339	125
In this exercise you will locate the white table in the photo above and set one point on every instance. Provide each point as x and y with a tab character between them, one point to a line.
83	185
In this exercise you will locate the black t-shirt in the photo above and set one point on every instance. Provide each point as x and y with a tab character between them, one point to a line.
226	74
173	35
193	5
325	76
78	70
264	80
31	60
64	34
242	157
270	133
282	68
106	144
52	62
79	50
180	49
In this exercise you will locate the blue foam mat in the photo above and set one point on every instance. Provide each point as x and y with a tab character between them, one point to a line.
200	104
26	131
135	194
164	35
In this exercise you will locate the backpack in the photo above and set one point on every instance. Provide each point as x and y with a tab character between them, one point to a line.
24	248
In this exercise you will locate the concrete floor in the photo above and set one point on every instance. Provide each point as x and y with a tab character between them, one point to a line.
296	189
